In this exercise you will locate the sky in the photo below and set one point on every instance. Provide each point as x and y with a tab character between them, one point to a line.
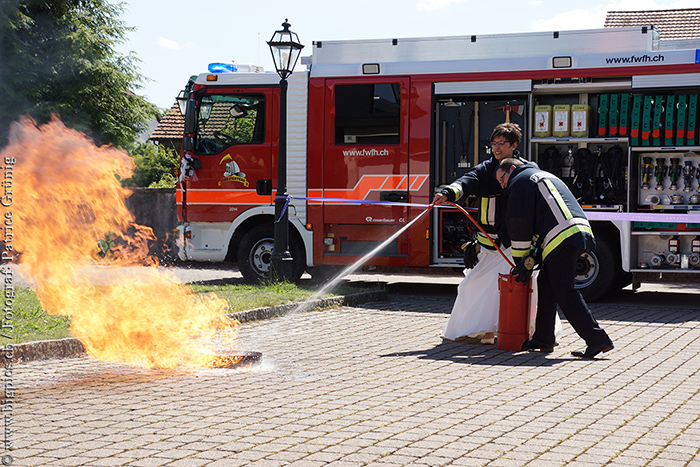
175	39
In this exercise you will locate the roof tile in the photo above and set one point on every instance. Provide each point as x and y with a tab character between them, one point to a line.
672	24
171	126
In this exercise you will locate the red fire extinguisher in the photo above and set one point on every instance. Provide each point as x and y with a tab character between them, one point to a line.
513	312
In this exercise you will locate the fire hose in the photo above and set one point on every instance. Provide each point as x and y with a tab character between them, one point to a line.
466	213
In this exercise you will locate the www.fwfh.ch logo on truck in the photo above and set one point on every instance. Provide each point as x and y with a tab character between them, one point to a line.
365	152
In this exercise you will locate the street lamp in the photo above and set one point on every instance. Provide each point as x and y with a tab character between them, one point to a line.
285	48
182	99
184	95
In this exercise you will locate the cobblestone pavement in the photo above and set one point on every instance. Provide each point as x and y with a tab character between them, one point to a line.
375	385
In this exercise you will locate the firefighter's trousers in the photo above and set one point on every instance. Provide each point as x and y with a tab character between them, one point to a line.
555	284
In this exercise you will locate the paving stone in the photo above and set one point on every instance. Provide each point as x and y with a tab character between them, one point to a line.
374	384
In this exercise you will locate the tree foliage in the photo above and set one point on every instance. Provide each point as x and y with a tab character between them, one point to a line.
59	57
156	166
241	129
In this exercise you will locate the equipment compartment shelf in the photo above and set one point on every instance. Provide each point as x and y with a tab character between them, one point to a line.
685	149
603	207
571	139
683	270
691	208
664	232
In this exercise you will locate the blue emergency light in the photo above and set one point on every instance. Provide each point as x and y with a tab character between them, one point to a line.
222	68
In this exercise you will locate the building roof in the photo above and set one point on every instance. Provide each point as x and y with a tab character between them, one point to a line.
171	126
672	24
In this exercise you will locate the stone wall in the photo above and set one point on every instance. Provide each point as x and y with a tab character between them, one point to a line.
155	208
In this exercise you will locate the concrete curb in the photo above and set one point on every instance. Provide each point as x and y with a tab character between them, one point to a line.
45	350
72	347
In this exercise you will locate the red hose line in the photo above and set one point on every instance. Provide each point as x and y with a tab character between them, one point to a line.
482	231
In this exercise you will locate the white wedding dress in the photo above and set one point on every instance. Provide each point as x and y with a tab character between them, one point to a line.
475	310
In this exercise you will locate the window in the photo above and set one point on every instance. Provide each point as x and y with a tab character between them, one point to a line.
367	113
226	120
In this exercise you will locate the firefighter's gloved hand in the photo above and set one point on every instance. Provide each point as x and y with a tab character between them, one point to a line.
523	270
471	253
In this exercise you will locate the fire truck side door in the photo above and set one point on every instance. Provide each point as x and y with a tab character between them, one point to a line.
366	157
366	149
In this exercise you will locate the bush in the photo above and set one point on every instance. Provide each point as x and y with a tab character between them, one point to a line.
156	166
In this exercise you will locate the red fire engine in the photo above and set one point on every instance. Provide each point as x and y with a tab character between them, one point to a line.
612	111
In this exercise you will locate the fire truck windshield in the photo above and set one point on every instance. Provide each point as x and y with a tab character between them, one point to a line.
226	120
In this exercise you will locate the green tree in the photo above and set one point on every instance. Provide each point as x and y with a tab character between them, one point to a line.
241	129
59	57
156	166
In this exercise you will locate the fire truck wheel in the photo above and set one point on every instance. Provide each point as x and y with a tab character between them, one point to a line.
255	253
597	273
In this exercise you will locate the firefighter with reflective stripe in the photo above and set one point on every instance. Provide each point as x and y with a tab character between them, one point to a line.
547	226
476	309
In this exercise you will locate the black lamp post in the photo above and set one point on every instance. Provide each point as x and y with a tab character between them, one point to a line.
285	48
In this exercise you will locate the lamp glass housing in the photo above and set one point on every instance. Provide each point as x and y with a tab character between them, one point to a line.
205	108
285	48
182	99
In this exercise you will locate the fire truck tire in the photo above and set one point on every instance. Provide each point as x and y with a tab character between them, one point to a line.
255	253
597	272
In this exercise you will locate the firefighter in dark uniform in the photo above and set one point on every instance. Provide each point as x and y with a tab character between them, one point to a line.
547	226
470	314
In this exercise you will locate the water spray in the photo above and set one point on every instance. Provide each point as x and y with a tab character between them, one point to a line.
359	262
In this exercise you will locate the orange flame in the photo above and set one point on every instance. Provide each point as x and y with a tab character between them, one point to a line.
66	197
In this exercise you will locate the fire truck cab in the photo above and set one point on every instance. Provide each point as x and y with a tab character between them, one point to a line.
388	121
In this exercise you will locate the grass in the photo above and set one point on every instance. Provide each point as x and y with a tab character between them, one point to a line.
32	323
246	297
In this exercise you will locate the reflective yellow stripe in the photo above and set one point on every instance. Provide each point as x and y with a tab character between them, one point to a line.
456	189
517	254
483	211
574	229
487	211
558	202
481	238
564	225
